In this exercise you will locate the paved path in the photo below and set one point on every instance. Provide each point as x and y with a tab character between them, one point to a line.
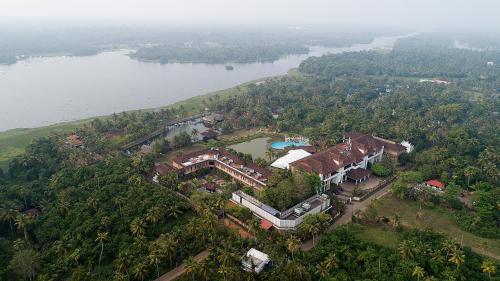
347	216
178	271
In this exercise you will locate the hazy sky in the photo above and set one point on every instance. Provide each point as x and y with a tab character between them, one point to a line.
426	14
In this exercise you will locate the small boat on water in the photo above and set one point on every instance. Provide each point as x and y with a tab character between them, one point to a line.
229	67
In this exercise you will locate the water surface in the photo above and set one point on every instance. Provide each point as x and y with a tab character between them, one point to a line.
47	90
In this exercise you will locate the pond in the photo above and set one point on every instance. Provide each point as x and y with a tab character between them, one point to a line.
256	147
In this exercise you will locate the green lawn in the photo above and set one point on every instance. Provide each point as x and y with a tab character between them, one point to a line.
383	236
438	219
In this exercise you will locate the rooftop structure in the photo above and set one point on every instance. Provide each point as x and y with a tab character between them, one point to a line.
213	118
254	260
355	152
437	185
74	141
291	156
287	220
209	134
241	170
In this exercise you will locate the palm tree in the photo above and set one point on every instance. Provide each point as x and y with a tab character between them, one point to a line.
119	201
101	237
9	214
293	245
138	228
448	247
141	271
418	272
93	202
321	270
155	257
488	267
22	223
470	172
169	246
396	221
153	215
253	226
331	261
174	211
312	229
220	204
406	250
190	265
457	257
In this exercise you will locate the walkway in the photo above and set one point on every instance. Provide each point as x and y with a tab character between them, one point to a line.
347	216
178	271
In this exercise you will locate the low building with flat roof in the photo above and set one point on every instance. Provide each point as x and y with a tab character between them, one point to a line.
254	260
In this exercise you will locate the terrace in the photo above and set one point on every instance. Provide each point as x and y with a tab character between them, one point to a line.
286	220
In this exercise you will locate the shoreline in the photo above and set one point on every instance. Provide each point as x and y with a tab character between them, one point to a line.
14	141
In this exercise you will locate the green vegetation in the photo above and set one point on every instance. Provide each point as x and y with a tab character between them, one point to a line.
286	189
439	219
381	170
89	213
217	54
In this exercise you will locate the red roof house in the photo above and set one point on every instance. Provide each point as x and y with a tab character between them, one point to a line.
436	184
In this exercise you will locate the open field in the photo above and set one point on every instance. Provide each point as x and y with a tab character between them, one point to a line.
437	219
13	142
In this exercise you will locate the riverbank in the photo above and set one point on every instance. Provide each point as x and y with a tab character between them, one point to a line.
13	142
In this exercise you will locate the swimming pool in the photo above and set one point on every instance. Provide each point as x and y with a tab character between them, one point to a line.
285	144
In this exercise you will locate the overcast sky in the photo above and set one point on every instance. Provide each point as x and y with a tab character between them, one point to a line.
425	14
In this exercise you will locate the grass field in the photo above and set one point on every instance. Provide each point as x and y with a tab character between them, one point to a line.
438	219
13	142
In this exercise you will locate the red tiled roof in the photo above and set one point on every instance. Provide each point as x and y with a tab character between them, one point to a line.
265	224
332	159
222	152
163	169
435	183
357	174
209	134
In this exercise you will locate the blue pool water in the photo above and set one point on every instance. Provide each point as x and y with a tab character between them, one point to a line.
284	144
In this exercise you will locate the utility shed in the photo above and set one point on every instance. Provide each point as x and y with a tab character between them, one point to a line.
291	156
255	260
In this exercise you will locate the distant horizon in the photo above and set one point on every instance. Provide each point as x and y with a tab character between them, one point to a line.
420	15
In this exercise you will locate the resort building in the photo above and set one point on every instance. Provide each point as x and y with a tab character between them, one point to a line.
286	220
348	160
218	158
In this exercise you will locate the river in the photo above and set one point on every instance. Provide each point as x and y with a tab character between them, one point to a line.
46	90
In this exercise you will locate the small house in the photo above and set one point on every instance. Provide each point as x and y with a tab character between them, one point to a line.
436	185
254	261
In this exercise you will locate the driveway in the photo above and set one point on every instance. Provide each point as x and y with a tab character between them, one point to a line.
347	216
178	271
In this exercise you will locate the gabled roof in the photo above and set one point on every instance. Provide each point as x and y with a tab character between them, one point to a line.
435	183
358	174
332	159
163	169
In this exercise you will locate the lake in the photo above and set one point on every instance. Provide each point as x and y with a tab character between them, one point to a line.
46	90
256	147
